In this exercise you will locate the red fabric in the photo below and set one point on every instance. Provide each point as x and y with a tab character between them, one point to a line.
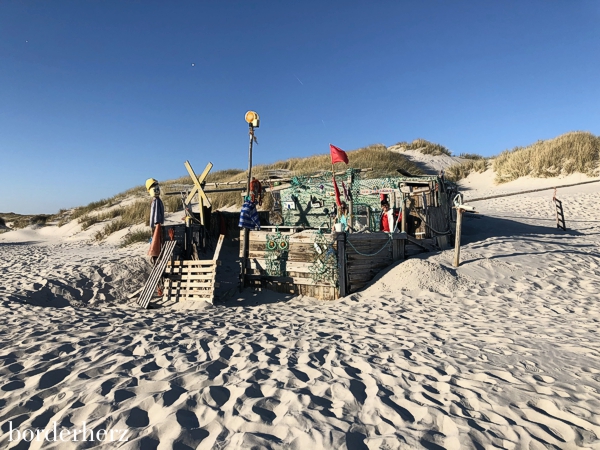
338	201
155	244
385	226
337	155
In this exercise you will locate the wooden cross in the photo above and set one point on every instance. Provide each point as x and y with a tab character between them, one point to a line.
198	180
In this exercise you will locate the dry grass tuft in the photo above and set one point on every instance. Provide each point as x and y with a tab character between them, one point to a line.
134	214
462	170
573	152
24	221
90	219
136	236
470	156
425	147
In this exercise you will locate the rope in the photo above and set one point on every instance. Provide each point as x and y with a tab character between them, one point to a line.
387	244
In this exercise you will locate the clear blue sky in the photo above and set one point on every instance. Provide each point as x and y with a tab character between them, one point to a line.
96	96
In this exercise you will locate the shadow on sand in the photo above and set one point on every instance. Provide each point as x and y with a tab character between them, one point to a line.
485	231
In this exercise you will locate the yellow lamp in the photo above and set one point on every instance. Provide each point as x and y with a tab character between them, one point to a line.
252	118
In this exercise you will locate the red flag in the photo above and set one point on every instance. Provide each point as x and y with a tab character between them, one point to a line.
337	155
338	201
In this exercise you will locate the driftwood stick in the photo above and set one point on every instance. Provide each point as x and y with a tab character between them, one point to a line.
459	214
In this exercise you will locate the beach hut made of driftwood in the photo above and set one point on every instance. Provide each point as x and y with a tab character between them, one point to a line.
305	256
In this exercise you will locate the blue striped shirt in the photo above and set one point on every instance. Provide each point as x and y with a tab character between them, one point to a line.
249	216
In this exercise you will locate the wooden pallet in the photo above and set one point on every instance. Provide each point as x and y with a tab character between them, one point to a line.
192	280
157	271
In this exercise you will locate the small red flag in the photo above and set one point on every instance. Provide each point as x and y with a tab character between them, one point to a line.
338	201
337	155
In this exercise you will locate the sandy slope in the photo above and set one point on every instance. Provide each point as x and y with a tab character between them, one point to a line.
502	352
429	164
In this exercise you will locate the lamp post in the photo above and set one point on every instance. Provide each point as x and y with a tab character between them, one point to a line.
253	122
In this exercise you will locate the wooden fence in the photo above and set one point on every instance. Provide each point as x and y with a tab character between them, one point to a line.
296	265
356	259
362	256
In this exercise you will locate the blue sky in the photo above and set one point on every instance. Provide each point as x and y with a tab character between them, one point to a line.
96	96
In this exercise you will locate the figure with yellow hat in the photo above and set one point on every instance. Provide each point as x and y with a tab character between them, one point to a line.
157	217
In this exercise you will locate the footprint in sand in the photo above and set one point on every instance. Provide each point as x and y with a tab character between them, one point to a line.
137	418
544	378
530	366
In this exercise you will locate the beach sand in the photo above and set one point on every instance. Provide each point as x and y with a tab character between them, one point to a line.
501	352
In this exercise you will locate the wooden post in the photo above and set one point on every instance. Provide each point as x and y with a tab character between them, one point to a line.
404	213
459	214
245	245
398	246
188	238
560	215
350	203
341	251
244	260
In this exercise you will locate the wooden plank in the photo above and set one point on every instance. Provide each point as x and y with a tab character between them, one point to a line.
373	256
288	280
208	276
414	190
363	276
136	293
360	266
194	271
374	237
420	242
291	266
294	247
191	284
341	253
297	257
218	248
456	261
156	274
198	262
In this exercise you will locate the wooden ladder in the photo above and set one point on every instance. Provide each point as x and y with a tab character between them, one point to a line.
157	272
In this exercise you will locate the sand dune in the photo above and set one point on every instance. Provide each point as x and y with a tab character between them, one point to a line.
502	352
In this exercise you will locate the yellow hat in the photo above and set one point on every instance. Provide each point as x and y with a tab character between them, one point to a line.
150	182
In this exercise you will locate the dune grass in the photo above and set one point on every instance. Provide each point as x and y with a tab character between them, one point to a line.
573	152
136	236
127	216
133	214
425	147
81	211
90	219
459	171
470	156
24	221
